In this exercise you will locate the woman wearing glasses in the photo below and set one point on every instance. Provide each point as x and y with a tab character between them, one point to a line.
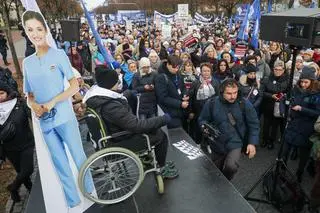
274	89
44	77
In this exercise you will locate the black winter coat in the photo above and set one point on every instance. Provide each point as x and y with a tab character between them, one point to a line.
23	137
253	93
148	101
270	86
117	116
167	88
301	124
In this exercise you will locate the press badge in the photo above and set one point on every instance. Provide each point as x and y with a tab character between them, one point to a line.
179	91
255	92
52	67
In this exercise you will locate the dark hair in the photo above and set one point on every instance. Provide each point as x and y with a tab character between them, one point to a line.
219	62
250	57
205	65
229	82
222	54
174	60
29	14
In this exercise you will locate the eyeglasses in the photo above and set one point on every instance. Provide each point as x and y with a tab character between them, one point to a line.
48	115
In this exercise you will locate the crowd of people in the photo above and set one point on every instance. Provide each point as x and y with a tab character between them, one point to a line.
198	78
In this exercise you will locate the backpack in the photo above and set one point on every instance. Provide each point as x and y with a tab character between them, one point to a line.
288	196
6	77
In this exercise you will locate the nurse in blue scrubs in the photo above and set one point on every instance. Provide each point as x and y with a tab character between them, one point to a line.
44	79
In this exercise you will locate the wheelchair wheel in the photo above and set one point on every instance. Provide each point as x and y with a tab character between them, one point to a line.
116	172
160	184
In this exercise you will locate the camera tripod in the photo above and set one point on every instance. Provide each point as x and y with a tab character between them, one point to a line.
279	166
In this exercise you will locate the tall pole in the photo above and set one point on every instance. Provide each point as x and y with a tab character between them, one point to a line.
10	41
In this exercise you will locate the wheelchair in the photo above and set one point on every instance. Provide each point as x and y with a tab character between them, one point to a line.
117	172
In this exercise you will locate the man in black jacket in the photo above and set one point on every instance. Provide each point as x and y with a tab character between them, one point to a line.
170	91
117	116
3	48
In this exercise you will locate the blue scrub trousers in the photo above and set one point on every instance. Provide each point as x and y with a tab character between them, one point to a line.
55	138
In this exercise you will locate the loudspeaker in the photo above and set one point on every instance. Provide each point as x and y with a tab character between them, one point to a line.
299	27
70	30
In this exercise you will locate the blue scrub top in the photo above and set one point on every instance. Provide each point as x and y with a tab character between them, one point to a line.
44	77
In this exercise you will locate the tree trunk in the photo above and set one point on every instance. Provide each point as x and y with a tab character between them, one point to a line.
10	41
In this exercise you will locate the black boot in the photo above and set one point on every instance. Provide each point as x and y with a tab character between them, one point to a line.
14	193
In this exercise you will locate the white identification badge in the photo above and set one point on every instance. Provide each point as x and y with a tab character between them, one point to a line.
255	92
179	91
274	82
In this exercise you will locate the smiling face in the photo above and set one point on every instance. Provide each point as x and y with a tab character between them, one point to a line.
36	32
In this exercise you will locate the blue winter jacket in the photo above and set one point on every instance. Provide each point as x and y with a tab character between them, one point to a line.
215	113
301	124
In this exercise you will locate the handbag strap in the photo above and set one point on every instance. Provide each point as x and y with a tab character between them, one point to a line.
250	93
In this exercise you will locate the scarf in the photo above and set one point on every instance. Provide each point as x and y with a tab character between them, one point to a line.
99	91
128	76
6	109
205	90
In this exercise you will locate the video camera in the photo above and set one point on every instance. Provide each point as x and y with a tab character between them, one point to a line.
210	131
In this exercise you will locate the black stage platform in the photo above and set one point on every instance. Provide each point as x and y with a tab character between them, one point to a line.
200	188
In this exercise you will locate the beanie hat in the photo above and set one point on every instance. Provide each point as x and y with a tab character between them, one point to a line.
251	68
144	62
308	73
5	87
106	77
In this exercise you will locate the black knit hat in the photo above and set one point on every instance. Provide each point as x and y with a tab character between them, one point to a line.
5	87
308	73
106	77
251	68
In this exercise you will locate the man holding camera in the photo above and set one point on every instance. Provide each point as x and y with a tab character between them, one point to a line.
237	123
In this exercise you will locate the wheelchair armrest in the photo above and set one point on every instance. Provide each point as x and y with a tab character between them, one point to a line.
119	134
115	135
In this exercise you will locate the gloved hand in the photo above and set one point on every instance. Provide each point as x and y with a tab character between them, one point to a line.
167	117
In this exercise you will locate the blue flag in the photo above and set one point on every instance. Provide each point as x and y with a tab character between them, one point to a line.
230	23
254	11
107	57
255	34
269	6
243	33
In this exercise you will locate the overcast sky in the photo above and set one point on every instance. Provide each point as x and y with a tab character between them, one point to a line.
93	3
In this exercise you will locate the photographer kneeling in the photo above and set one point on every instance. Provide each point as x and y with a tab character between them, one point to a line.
117	116
236	120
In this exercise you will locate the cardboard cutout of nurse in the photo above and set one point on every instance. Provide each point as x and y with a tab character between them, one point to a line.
45	75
